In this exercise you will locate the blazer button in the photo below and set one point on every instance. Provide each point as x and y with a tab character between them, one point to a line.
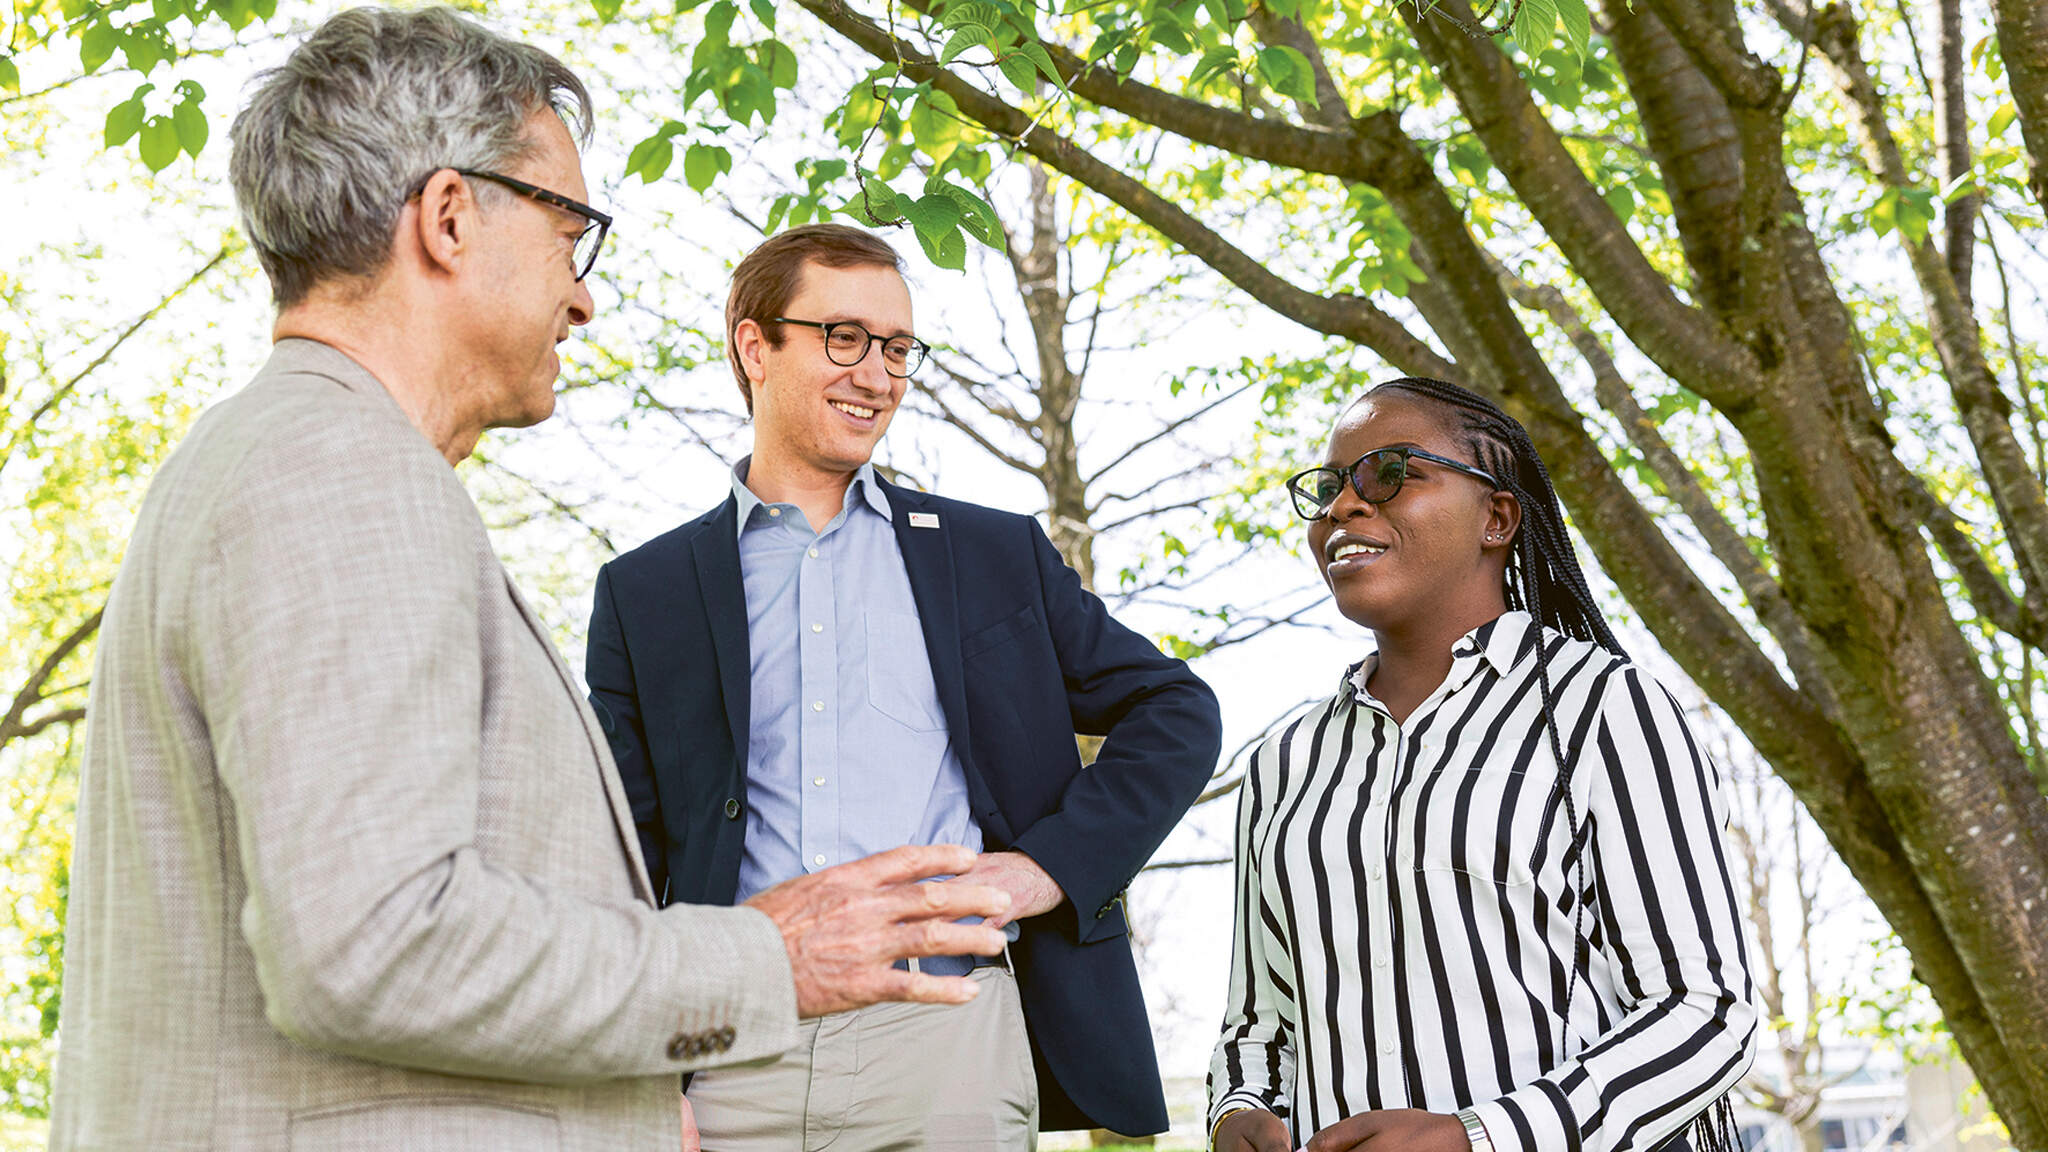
732	809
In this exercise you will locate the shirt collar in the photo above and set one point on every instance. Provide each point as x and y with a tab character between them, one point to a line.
865	482
1501	642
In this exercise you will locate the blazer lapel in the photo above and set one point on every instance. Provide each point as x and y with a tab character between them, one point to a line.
717	552
928	558
614	792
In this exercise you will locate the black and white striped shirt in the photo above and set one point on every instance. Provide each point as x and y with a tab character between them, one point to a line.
1405	909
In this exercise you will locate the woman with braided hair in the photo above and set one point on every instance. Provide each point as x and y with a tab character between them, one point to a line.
1482	901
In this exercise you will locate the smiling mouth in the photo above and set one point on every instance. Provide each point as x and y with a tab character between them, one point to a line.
854	410
1350	548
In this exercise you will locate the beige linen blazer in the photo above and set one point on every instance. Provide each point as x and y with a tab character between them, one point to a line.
353	868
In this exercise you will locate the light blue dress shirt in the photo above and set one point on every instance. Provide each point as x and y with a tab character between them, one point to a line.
847	750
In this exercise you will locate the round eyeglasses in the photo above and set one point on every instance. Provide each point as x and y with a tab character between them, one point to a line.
1376	476
847	344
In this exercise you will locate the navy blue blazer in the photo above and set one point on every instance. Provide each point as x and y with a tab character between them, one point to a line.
1023	658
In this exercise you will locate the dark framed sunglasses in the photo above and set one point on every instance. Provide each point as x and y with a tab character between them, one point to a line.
1376	476
589	242
847	344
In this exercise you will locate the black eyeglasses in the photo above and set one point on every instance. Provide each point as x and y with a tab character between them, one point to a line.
847	344
1376	476
589	242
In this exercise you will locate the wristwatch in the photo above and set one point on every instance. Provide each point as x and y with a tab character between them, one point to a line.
1475	1130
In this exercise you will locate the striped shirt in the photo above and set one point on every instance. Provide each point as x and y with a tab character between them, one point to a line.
1405	907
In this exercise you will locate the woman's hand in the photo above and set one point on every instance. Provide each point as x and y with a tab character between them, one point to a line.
1252	1130
1402	1129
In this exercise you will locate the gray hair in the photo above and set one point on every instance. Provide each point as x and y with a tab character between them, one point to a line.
333	142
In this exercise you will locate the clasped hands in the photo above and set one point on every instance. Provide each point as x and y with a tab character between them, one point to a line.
1392	1130
847	925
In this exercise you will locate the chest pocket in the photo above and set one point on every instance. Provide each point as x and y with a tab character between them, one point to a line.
900	672
1471	810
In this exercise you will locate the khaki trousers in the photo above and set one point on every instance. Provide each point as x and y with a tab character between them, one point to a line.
891	1076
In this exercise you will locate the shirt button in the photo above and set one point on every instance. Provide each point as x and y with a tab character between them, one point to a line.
732	809
817	781
817	705
814	553
1387	1046
819	859
775	511
1380	961
817	627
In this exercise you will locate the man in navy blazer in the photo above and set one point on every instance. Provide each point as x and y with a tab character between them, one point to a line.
780	696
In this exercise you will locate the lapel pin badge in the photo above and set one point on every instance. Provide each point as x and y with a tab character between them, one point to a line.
924	519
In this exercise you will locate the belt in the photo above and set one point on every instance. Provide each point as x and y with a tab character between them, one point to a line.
957	965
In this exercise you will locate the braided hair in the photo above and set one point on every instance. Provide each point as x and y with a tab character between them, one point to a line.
1544	579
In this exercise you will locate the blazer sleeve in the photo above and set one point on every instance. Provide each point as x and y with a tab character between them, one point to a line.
1162	734
341	642
616	700
1671	928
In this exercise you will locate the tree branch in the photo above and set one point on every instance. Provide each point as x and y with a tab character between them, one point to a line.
2023	46
58	394
1728	546
1167	431
1987	414
31	692
1681	339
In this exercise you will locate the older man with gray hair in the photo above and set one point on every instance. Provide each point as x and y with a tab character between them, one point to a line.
353	867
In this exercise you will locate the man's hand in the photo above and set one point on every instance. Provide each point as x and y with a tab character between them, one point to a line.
1394	1130
845	926
692	1142
1031	890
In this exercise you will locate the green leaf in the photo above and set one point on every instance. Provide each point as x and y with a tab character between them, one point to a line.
703	163
780	62
974	14
159	143
10	76
1287	72
948	251
651	157
876	201
96	45
1916	213
145	46
607	10
935	126
1213	63
1884	215
2002	119
933	215
1578	25
1019	71
718	22
124	120
972	36
1035	52
977	215
1622	200
189	121
1534	26
764	11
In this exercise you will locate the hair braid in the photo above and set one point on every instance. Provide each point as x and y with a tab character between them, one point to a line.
1544	579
